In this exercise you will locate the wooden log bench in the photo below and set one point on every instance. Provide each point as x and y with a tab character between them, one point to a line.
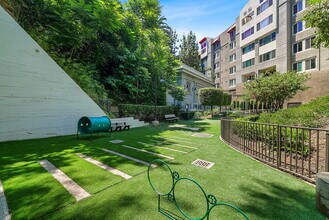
120	126
171	118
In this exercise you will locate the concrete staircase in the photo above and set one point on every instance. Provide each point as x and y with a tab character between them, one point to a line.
134	123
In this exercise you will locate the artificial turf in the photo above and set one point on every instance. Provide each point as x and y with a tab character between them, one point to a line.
261	192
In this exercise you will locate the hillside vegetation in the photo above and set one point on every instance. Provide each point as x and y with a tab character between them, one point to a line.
111	49
312	114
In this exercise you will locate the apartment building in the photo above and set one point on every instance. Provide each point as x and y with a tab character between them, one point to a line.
269	35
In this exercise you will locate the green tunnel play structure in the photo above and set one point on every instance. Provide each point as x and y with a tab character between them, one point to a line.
92	125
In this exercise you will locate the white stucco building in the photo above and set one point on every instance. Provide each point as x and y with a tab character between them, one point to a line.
192	80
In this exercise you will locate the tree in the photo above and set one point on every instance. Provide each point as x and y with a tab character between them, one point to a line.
173	42
317	16
188	53
178	93
275	88
111	49
214	96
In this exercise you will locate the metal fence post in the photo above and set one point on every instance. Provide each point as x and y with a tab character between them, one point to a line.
244	137
327	152
278	147
229	130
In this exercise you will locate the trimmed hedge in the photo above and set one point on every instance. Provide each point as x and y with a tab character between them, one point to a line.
146	112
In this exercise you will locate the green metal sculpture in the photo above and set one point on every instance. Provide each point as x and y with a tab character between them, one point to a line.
210	200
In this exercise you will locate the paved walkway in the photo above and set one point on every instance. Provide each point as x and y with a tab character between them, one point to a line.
167	148
71	186
4	211
105	167
149	152
129	158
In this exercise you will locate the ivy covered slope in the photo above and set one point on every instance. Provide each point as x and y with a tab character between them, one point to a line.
313	114
111	49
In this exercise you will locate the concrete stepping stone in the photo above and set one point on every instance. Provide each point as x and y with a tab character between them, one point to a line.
184	127
129	158
178	139
72	187
203	135
105	167
149	152
180	145
167	148
117	141
4	211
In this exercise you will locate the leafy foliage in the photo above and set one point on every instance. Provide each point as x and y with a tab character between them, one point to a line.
146	112
178	93
313	114
109	48
317	16
188	53
214	96
275	88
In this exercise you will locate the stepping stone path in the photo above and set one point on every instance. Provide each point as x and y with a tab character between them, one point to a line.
4	211
149	152
129	158
71	186
184	127
167	148
203	135
105	167
117	141
180	145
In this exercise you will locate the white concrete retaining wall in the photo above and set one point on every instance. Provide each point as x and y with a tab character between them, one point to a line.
37	98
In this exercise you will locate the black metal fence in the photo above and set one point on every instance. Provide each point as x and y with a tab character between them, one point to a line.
300	151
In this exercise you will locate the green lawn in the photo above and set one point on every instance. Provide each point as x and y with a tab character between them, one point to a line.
260	191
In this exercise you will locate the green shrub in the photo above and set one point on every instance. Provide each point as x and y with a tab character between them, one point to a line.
268	137
313	114
146	112
197	115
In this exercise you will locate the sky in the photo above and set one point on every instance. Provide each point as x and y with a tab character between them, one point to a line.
206	18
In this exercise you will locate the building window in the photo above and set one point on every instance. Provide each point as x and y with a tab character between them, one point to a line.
297	47
216	65
232	34
248	48
297	27
232	82
216	55
232	57
267	39
203	47
267	56
246	19
248	33
248	63
203	65
310	64
232	69
232	45
298	7
298	66
204	44
188	86
264	6
264	22
309	43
